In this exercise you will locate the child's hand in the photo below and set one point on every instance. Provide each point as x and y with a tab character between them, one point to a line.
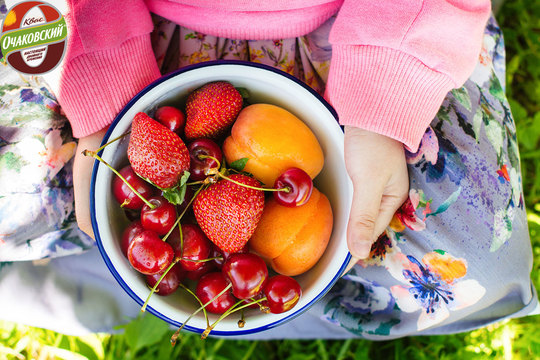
377	167
82	175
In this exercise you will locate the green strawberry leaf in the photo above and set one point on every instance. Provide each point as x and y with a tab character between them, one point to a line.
176	194
239	164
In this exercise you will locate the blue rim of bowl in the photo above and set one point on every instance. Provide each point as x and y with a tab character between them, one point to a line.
104	255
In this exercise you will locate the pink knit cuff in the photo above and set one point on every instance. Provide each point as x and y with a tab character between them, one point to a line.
95	86
385	91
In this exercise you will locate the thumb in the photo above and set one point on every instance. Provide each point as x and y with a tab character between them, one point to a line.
363	219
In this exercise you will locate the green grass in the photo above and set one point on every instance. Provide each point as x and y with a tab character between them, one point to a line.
147	337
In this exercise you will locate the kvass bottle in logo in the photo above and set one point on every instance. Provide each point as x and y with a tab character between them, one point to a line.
33	37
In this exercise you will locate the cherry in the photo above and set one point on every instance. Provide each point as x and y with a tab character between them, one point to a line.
171	117
170	282
221	255
159	219
133	229
124	195
208	287
205	268
132	215
196	246
199	164
282	293
148	254
299	184
247	274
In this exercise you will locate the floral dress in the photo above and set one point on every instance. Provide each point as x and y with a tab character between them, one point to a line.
456	255
37	217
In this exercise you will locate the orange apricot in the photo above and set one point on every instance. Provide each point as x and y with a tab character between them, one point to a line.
292	239
274	140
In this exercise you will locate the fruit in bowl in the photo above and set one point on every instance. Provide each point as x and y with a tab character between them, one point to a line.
208	211
274	140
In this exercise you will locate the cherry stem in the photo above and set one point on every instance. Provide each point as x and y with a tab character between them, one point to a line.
215	170
202	260
284	189
181	215
262	307
231	310
97	157
199	300
175	335
242	321
177	332
202	157
113	140
143	308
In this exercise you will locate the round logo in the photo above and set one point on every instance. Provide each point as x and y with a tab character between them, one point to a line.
33	37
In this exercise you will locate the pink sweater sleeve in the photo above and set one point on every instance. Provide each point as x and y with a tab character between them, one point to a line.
100	73
393	62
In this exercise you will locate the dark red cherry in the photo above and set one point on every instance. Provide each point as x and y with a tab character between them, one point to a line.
196	246
247	274
205	268
133	229
132	215
222	255
171	117
209	286
282	293
124	195
169	283
198	165
299	184
148	254
159	219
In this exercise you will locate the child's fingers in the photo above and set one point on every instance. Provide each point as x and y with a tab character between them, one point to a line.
365	207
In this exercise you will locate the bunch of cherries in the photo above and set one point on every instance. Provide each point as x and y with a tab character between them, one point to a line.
168	254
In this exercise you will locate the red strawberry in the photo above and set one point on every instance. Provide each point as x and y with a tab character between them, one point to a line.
228	213
156	153
211	110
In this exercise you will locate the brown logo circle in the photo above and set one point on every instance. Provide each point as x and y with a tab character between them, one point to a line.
33	39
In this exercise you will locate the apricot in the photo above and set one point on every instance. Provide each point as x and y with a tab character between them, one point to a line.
274	140
292	239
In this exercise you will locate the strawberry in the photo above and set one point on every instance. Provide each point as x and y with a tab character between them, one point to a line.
228	213
156	153
211	110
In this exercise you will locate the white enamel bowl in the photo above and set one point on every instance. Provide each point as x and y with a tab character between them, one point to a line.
266	85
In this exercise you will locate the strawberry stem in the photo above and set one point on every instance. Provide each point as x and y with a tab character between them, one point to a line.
98	158
143	308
